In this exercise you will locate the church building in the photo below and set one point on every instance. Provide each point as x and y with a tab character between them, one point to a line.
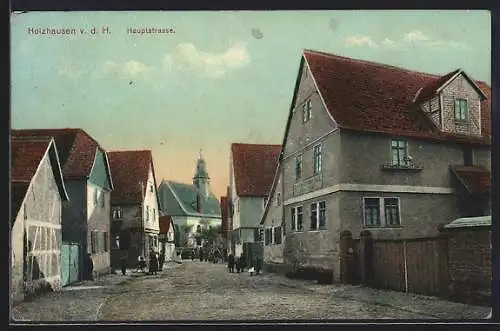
191	206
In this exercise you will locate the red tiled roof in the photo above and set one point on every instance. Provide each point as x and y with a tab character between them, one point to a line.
129	169
476	180
372	97
165	222
254	166
26	155
75	147
224	214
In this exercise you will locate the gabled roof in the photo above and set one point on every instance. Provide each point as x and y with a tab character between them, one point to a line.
476	180
27	154
130	171
373	97
165	223
179	199
77	150
254	166
274	185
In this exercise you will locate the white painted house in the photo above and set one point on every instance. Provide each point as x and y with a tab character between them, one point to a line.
37	194
251	173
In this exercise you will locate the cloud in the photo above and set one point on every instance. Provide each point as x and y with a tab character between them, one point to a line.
68	69
360	41
130	68
415	36
188	57
410	40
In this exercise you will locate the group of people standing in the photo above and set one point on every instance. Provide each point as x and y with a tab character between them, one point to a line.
240	264
156	261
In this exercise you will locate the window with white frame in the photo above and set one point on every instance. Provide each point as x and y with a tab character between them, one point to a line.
297	216
381	212
317	159
318	215
278	199
306	110
117	213
154	215
147	213
399	152
277	235
96	196
461	109
268	240
261	235
298	167
152	189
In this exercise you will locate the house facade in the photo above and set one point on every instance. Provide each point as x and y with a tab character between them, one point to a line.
251	172
273	226
37	195
399	156
135	208
167	238
226	229
88	182
191	206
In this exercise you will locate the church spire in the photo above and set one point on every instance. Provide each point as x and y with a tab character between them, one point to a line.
201	179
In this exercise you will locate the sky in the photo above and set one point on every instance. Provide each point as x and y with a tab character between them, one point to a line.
216	78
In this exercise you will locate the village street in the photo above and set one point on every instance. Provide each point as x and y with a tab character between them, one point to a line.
201	290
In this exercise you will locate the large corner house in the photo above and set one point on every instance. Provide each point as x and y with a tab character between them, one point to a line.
134	206
37	195
85	217
373	147
251	171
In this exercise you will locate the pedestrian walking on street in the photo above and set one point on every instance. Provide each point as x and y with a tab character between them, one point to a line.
230	263
242	263
193	255
201	255
141	263
123	262
153	262
161	261
88	267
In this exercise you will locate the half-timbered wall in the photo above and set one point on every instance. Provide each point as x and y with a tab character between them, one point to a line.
41	214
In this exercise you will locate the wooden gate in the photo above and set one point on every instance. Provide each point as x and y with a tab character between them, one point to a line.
70	263
348	259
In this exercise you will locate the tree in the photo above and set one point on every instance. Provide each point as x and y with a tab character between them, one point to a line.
186	230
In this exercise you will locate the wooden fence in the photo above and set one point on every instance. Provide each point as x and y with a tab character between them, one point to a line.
410	265
415	265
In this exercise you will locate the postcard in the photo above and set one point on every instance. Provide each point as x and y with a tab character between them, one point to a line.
250	166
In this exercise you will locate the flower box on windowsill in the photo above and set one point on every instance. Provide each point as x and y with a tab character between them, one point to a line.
409	166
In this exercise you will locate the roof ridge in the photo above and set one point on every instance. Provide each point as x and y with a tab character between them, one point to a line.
375	64
130	151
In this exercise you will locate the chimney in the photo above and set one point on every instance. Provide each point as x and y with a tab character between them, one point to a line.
198	203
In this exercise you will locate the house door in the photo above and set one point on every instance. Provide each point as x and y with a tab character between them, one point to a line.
348	259
65	253
74	263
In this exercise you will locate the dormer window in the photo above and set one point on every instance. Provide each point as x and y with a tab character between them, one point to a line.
461	110
306	110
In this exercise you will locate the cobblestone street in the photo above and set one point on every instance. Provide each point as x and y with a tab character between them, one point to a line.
200	290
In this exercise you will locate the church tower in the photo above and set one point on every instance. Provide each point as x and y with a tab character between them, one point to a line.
201	179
